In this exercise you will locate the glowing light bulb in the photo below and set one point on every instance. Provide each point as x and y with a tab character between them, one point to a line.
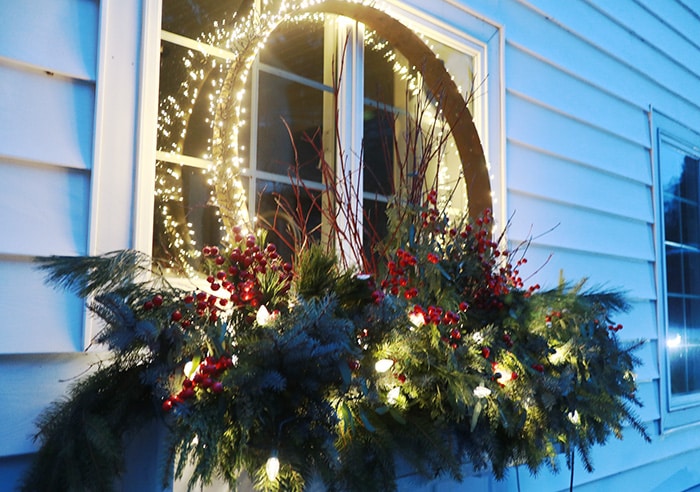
417	319
188	369
504	374
383	365
263	316
481	391
393	395
272	466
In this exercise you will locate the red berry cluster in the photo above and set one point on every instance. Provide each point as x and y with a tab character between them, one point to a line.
615	328
397	275
157	301
498	276
205	378
237	272
435	315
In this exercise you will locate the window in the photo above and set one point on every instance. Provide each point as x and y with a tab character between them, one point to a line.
324	89
679	186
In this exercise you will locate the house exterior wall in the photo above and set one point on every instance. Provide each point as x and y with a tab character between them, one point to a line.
68	106
579	83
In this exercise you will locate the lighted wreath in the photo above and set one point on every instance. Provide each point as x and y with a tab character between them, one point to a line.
295	370
228	113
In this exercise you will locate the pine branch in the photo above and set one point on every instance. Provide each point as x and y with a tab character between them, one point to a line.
92	275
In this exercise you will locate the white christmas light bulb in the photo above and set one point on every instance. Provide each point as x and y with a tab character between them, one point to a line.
272	466
481	391
417	319
393	395
263	316
383	365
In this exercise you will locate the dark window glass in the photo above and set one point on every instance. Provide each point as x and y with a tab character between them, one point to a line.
290	118
192	18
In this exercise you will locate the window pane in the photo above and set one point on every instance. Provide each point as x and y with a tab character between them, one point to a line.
375	228
296	46
672	159
689	224
191	18
674	270
288	214
185	219
182	118
693	344
672	219
378	150
677	340
290	119
691	273
689	180
679	178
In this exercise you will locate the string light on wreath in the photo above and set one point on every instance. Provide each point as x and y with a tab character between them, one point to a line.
216	74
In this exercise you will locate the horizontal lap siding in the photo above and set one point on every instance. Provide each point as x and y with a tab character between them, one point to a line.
47	102
48	51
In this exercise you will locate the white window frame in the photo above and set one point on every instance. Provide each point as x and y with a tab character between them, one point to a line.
677	410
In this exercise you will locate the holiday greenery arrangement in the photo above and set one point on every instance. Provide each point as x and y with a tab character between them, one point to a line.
302	371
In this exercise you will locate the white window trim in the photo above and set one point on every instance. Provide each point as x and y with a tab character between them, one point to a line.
676	411
121	131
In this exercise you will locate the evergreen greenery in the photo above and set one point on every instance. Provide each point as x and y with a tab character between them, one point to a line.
268	358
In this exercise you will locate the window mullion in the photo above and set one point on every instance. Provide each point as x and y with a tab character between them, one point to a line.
349	173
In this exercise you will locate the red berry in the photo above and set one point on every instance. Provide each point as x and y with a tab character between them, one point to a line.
168	405
486	352
148	305
186	393
176	316
157	300
217	387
